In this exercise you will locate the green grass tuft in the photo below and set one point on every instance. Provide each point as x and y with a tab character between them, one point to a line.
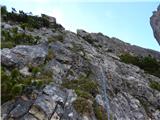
83	86
155	85
82	105
15	84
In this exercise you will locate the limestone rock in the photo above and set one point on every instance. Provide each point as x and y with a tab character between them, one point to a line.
25	71
23	55
122	109
124	91
155	24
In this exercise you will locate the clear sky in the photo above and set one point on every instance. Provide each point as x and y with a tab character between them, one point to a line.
126	20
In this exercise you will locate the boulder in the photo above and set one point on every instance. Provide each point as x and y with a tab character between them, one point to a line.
23	55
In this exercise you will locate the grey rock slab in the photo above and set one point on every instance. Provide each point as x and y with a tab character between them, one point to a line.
23	54
125	107
20	109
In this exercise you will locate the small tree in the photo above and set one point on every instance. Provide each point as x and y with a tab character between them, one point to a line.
3	10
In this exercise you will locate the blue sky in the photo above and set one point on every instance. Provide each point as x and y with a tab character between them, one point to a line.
126	20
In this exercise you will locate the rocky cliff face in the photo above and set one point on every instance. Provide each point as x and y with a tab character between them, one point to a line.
155	24
89	82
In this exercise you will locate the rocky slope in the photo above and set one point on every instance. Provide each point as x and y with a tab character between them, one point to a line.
89	81
155	24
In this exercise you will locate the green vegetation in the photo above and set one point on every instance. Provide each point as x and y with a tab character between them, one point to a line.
27	20
50	55
127	58
12	38
86	90
34	70
3	10
25	26
99	112
7	44
83	94
155	85
148	64
82	105
13	84
83	86
58	37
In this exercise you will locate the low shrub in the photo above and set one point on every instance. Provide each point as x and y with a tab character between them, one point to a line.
100	113
27	20
148	64
34	70
7	44
3	10
22	38
83	94
56	38
12	38
50	55
26	26
155	85
82	106
15	84
84	85
86	90
14	30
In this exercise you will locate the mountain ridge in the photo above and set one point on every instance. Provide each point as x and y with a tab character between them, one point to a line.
49	73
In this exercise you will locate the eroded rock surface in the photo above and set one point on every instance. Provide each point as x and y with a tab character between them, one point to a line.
124	90
155	24
23	55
